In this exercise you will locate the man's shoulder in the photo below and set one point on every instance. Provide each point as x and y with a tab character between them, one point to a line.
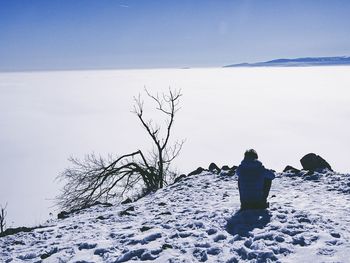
269	174
248	166
256	163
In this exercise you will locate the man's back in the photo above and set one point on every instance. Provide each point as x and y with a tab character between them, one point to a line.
254	181
251	181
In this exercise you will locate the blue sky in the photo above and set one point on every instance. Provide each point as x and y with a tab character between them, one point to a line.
79	34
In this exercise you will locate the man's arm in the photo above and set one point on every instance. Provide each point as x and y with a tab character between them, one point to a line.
269	174
267	187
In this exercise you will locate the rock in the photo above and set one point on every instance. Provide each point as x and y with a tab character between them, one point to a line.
85	245
18	242
214	168
145	228
164	213
234	168
225	168
197	171
179	178
63	215
100	251
126	211
291	169
45	255
99	203
200	254
126	201
335	234
166	246
13	231
211	231
313	162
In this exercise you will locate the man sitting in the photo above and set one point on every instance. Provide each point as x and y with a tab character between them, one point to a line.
254	182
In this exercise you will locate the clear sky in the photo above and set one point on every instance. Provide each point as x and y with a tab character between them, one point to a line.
79	34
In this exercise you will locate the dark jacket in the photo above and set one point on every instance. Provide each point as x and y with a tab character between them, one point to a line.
251	178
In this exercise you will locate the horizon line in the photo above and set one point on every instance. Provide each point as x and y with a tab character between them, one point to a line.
165	67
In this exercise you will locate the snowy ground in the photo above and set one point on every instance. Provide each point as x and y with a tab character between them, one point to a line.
196	220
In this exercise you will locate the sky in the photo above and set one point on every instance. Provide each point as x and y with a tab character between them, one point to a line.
86	34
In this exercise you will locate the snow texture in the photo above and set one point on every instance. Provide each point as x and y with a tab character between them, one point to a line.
198	220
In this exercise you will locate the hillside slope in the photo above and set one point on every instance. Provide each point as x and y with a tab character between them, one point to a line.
196	220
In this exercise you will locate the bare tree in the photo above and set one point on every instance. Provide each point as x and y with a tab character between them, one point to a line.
3	214
100	179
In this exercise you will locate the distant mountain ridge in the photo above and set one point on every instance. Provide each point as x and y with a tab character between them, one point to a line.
298	62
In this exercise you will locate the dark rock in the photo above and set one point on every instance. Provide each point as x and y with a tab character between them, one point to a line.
101	251
214	168
313	162
179	178
126	201
49	253
86	246
18	242
99	203
131	208
45	255
225	168
166	246
162	204
145	228
234	167
148	256
291	169
336	235
197	171
200	254
211	231
126	211
164	213
63	215
214	251
13	231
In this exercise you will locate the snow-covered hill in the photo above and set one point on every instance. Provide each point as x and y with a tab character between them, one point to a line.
197	220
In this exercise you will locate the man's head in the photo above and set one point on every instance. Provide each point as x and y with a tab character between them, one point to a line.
250	154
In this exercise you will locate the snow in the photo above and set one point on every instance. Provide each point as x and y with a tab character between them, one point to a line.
198	220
